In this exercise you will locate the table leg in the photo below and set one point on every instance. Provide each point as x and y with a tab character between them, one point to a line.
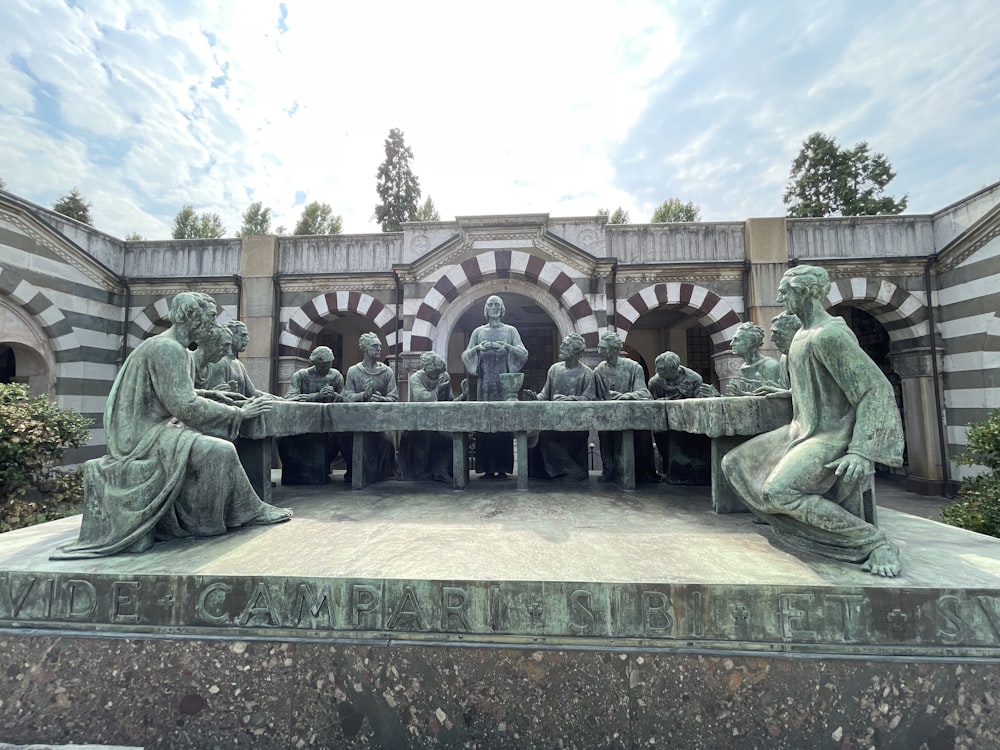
725	498
522	460
255	455
625	476
460	459
358	478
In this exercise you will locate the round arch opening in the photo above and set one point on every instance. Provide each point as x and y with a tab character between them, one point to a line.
669	329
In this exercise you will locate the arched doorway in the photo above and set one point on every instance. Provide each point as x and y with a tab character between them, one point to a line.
25	352
341	334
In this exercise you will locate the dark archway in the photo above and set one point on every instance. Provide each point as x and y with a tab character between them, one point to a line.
666	329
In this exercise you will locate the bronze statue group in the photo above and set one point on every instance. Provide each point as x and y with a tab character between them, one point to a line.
172	471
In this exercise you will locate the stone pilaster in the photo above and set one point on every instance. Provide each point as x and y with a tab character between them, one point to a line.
766	242
922	422
259	263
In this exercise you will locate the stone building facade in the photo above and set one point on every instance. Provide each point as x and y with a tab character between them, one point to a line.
920	290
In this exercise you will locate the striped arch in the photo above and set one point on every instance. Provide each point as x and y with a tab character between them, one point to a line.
502	264
153	320
715	314
300	331
903	313
49	318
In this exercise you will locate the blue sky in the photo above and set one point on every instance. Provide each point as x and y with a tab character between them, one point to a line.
550	107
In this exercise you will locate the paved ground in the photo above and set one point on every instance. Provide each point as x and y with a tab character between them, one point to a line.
890	494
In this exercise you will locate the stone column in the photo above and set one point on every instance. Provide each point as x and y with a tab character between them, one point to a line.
766	242
259	263
921	420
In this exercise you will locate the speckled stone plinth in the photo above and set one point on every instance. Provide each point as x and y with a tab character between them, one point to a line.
412	615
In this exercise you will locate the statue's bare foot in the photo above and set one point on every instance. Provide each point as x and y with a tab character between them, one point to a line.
883	561
268	515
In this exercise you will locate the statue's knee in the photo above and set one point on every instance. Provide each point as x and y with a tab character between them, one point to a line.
775	497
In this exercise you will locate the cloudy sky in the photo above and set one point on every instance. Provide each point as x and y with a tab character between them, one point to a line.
551	106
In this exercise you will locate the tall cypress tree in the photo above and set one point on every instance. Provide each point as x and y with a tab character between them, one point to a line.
397	186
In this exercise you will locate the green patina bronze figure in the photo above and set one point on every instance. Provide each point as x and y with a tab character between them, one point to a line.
171	469
799	477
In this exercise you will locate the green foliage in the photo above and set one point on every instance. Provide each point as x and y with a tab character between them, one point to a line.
190	226
74	206
34	433
256	220
978	506
618	216
428	211
397	186
134	237
318	218
826	180
672	210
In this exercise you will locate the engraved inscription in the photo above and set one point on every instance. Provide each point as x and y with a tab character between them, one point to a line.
314	601
657	614
849	614
793	619
408	609
454	605
365	600
211	599
125	601
581	612
951	627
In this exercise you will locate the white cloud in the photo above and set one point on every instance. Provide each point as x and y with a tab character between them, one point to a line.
551	107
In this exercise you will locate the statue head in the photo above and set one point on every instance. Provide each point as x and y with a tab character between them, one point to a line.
193	310
783	328
749	337
322	359
241	337
370	345
495	306
667	365
572	346
433	364
213	343
609	344
800	284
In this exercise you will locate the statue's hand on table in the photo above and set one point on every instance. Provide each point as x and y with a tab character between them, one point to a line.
851	467
254	407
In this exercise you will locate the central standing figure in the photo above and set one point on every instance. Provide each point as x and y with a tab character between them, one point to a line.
494	349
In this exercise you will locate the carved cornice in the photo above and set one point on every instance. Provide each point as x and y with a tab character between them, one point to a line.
664	274
70	254
973	239
338	283
171	288
885	268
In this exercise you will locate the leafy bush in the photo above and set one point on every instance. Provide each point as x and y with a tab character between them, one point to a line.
34	434
978	506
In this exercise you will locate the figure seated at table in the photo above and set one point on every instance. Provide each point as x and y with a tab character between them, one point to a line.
371	381
306	459
425	454
619	378
557	454
757	370
804	478
687	458
171	469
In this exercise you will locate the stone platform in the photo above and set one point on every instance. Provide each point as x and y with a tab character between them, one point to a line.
412	614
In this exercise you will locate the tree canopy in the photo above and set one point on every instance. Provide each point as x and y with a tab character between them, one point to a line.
397	186
672	210
826	180
74	206
134	237
428	211
256	220
318	218
618	216
190	226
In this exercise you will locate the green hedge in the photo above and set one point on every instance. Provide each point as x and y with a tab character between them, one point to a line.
978	505
34	434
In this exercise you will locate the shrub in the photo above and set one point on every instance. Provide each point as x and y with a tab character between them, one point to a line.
978	505
34	434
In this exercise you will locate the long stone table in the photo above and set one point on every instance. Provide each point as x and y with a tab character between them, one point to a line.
726	420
